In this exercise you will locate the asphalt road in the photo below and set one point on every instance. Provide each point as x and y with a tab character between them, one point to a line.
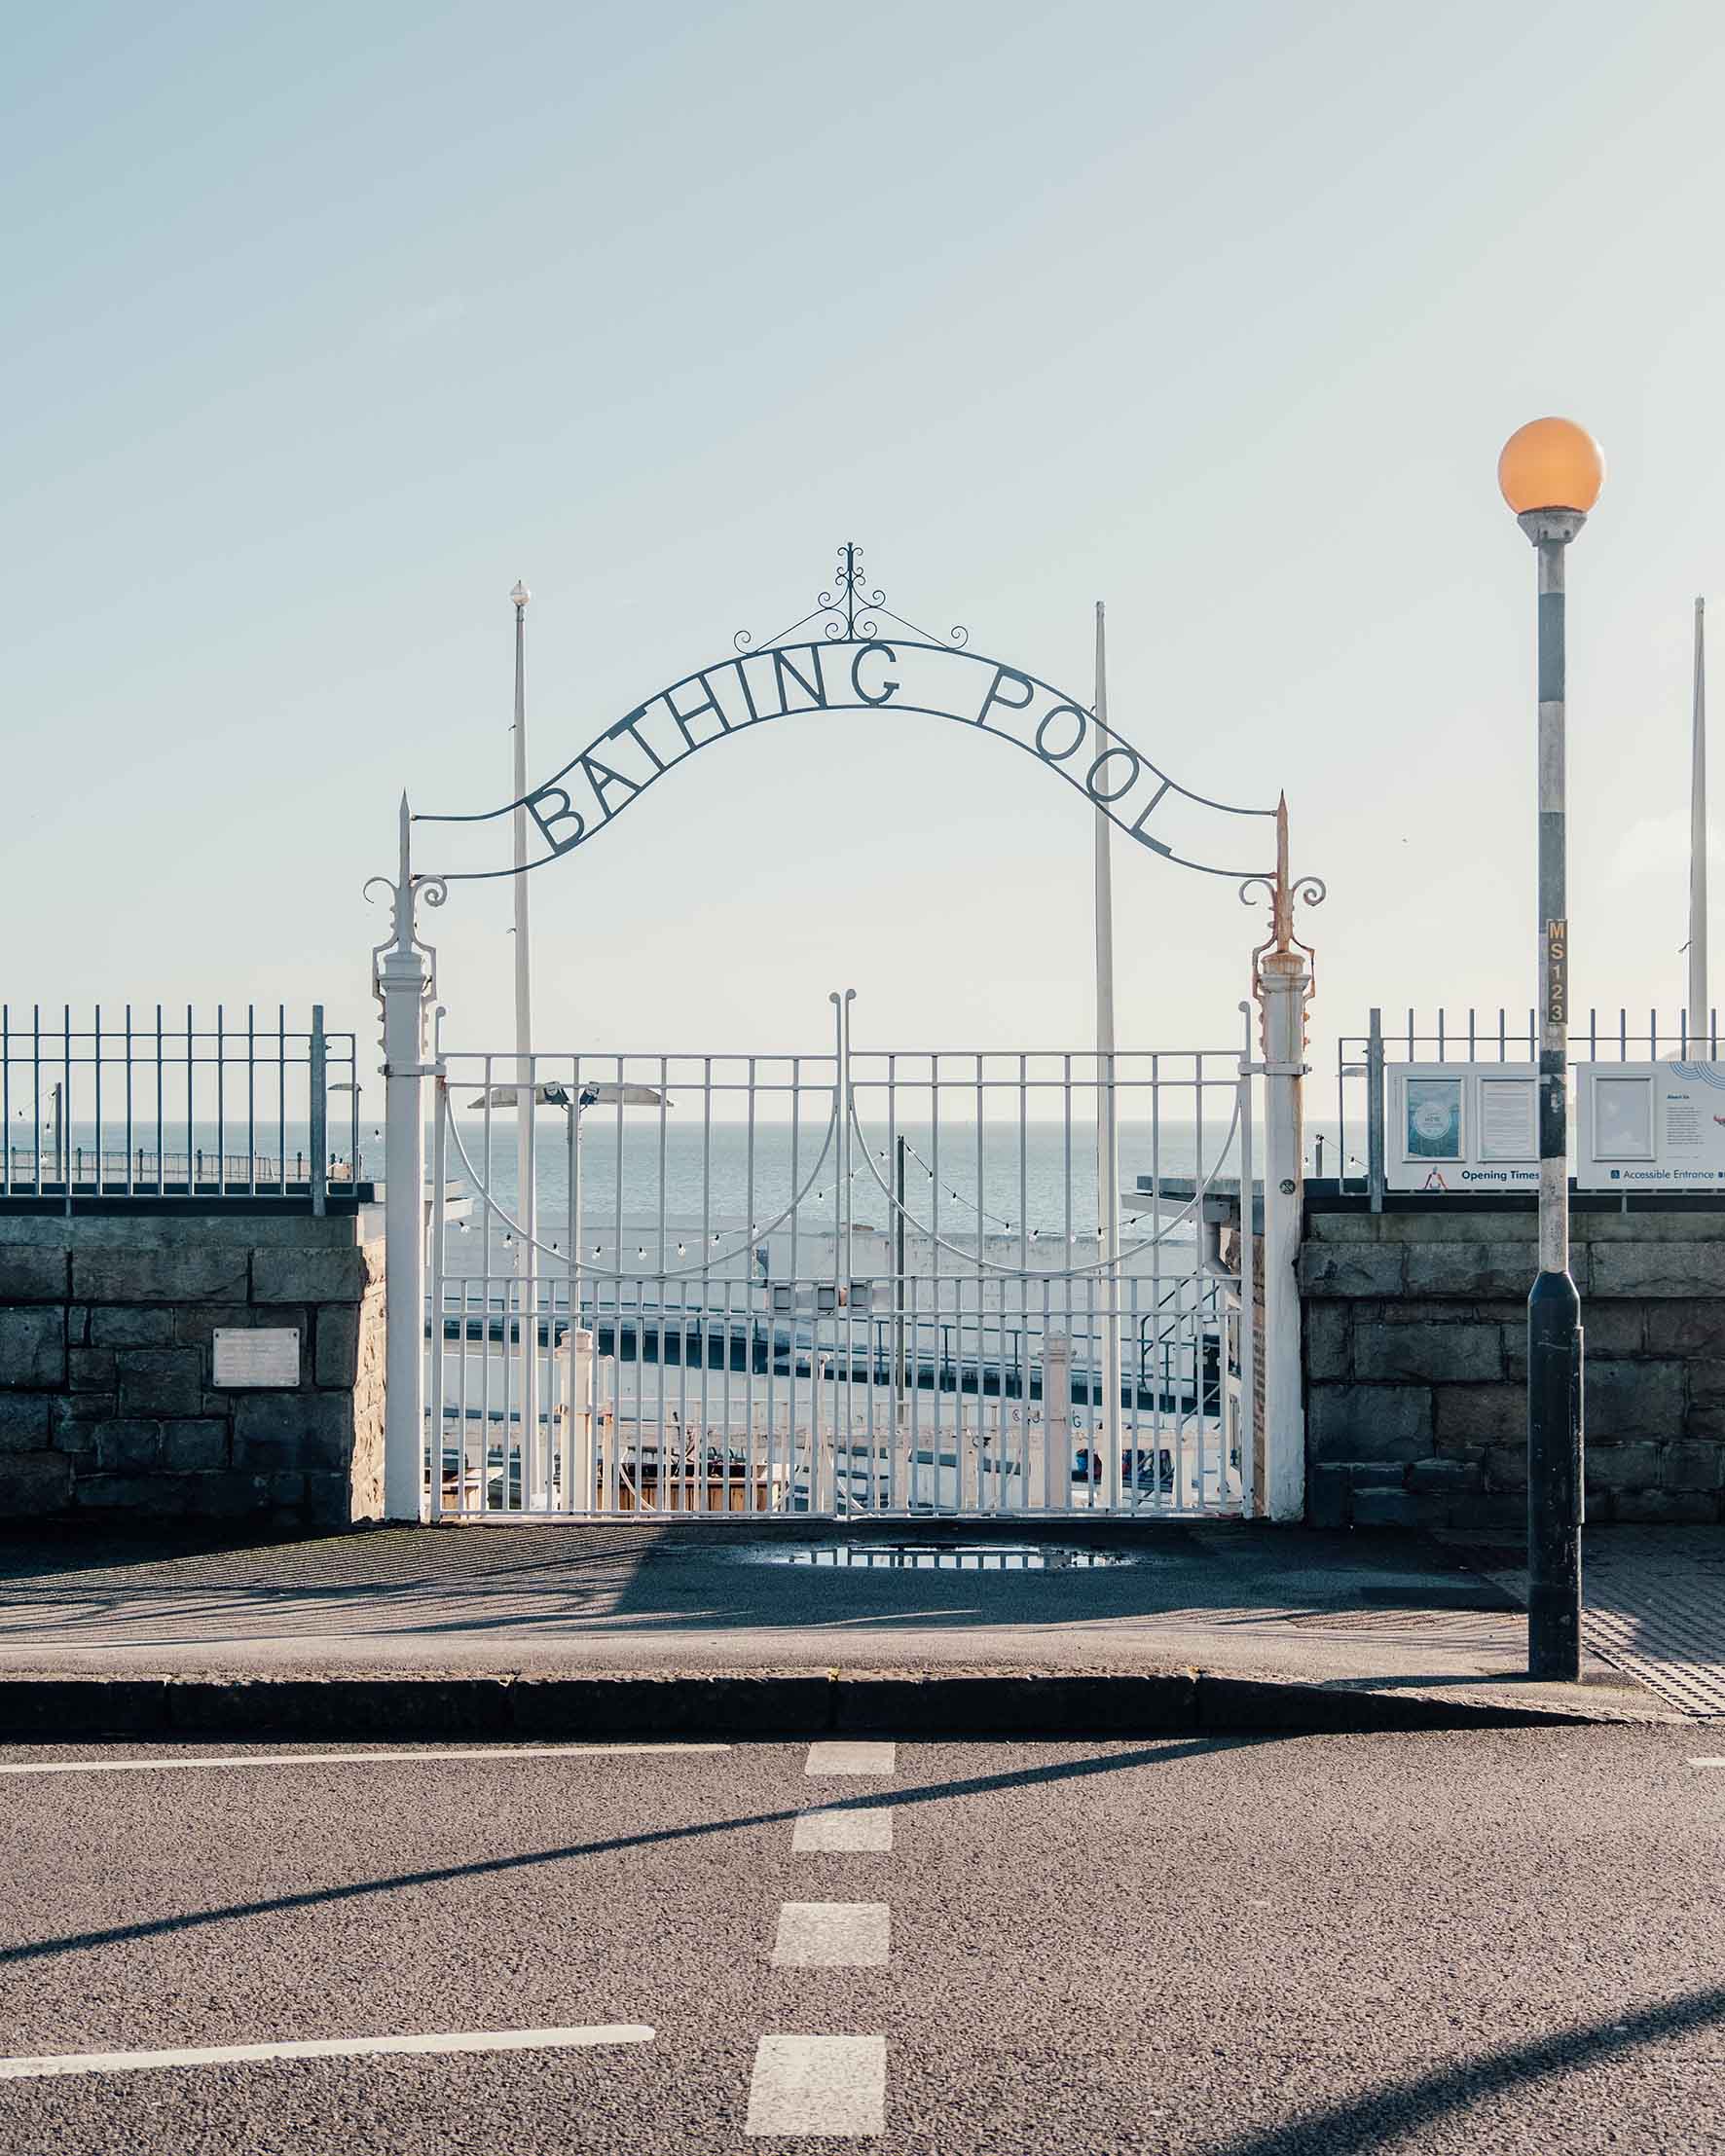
1458	1943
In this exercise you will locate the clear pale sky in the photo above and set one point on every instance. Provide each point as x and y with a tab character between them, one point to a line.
324	324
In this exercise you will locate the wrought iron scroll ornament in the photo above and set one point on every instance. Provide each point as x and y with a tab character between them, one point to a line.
852	613
405	891
1284	893
865	657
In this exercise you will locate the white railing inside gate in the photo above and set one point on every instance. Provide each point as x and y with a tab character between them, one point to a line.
854	1284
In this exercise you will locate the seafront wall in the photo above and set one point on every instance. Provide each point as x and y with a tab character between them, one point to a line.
110	1404
1414	1336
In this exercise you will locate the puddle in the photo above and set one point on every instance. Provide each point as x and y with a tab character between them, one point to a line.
931	1556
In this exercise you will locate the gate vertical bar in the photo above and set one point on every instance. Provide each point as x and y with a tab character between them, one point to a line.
439	1266
319	1141
1282	985
401	980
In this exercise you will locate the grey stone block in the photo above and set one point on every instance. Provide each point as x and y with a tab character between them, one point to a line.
1704	1226
308	1275
1683	1270
132	1493
1481	1414
1387	1507
1487	1511
277	1431
34	1483
1639	1399
1350	1270
77	1324
1623	1467
338	1343
194	1446
328	1501
1449	1476
159	1380
1471	1270
73	1418
34	1346
91	1369
1693	1465
131	1327
1618	1328
1369	1422
1506	1467
1666	1507
1328	1495
126	1444
1432	1354
31	1275
185	1271
27	1422
1694	1328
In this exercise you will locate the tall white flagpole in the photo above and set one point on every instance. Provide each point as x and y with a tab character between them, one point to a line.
526	1207
1699	1022
1108	1149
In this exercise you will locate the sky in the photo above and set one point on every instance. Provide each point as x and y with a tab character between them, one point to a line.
324	324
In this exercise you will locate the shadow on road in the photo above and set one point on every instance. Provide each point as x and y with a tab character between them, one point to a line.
1386	2117
1025	1778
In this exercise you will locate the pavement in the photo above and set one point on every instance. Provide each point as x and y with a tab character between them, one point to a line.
1311	1946
1024	1630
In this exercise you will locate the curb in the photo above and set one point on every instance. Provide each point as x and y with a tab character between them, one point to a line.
760	1707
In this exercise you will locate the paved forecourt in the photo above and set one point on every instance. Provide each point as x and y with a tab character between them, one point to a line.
1257	1946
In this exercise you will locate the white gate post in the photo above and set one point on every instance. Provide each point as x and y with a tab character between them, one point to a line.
403	980
1282	983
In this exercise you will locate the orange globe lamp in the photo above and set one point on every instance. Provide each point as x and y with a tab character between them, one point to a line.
1550	464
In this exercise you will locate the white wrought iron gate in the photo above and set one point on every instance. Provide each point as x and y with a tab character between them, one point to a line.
865	1282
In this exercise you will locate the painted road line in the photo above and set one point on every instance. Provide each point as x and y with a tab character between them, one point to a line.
835	2086
833	1935
1708	1762
328	2047
852	1756
844	1831
349	1758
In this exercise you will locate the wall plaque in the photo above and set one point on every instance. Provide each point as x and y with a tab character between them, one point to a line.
268	1355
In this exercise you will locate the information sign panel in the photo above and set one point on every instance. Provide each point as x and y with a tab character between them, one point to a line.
1650	1126
1462	1127
268	1355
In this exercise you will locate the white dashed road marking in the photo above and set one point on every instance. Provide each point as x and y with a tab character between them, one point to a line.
347	1759
1708	1762
333	2047
852	1756
826	2085
843	1830
833	1935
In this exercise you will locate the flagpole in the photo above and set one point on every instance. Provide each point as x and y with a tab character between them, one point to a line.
526	1208
1699	1017
1108	1153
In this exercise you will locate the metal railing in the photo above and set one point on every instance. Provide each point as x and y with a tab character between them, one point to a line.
1485	1037
154	1107
867	1282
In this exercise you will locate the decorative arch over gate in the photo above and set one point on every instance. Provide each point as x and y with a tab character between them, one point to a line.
862	657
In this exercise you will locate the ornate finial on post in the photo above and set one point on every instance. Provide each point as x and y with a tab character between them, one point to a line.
1282	952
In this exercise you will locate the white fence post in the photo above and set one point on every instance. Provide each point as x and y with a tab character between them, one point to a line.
403	979
1282	983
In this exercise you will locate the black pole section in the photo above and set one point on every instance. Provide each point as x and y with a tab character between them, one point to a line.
1553	1307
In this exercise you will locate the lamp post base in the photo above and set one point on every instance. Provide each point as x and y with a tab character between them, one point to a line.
1553	1479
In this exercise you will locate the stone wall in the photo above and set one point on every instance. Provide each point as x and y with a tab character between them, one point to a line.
1415	1346
108	1405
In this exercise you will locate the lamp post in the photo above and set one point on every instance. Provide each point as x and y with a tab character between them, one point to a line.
526	1195
1551	472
